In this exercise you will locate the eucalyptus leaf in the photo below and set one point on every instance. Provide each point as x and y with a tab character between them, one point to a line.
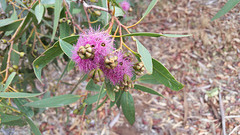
128	108
18	95
53	102
9	80
145	89
39	11
66	47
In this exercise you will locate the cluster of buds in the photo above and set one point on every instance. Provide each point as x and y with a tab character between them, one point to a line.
97	75
125	84
63	20
86	52
139	68
111	61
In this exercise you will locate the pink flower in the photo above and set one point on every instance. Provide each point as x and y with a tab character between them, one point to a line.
101	44
125	5
124	67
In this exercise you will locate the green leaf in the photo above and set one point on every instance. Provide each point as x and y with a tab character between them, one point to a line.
49	55
53	102
8	118
91	86
71	65
66	47
24	109
18	122
34	128
148	79
154	35
145	89
57	11
39	11
105	16
164	77
9	80
118	12
128	108
227	7
94	98
110	87
14	56
18	95
145	57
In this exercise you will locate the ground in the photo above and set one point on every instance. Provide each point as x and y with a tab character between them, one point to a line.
209	59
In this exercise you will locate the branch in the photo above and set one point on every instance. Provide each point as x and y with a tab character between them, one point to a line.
222	113
71	17
8	61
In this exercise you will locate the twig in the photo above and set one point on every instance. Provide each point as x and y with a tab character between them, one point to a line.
235	129
222	112
95	7
73	22
230	117
115	120
8	61
185	106
85	10
79	81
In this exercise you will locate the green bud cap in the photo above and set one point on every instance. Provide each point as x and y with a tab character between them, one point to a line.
10	69
15	67
97	13
4	41
75	111
22	54
69	22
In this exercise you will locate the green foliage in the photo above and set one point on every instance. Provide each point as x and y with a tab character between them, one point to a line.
227	7
44	35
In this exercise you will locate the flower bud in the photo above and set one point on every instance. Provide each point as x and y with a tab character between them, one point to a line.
15	67
96	77
101	75
10	69
21	54
4	41
69	22
97	13
62	20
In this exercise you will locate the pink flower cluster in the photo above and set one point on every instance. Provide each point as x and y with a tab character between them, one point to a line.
102	45
125	5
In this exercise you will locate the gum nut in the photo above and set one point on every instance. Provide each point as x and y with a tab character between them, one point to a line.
130	9
115	57
22	54
141	64
15	66
107	60
108	66
81	47
113	65
30	45
81	56
142	69
64	19
125	77
91	73
117	87
96	77
88	55
89	49
138	67
88	45
83	50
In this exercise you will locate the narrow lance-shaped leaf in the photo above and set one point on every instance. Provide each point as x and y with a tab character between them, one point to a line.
66	47
227	7
145	89
34	128
57	10
18	95
128	108
150	7
57	101
154	35
49	55
110	92
164	77
39	10
145	57
9	80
